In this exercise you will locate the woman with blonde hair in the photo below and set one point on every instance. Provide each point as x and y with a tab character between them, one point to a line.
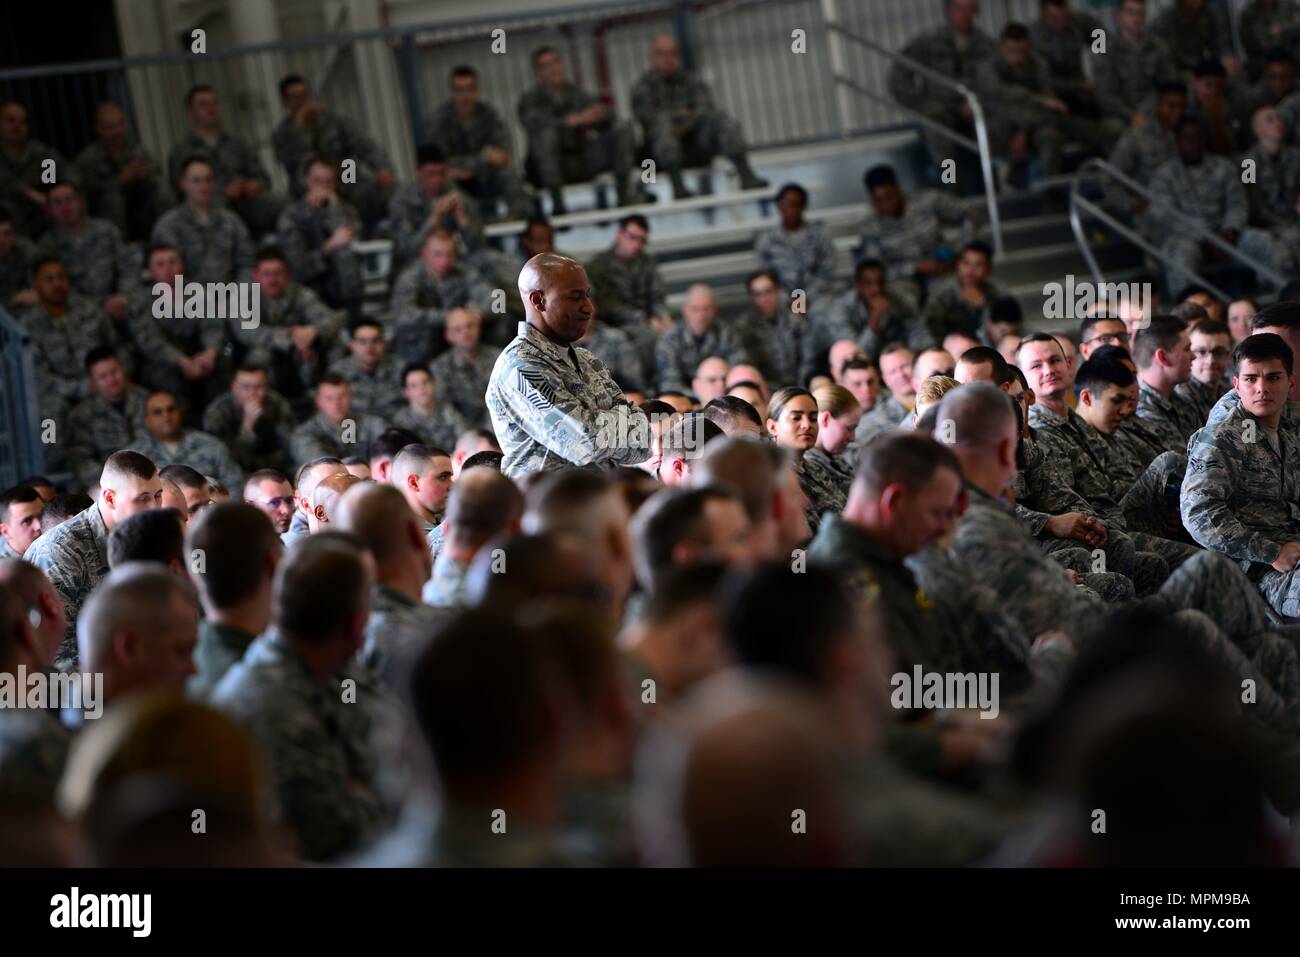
931	391
838	413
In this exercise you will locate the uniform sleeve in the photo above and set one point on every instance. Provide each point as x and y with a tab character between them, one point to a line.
554	418
305	261
404	303
147	332
667	371
1207	489
1236	211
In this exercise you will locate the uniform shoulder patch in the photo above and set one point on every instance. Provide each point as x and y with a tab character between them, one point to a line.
539	393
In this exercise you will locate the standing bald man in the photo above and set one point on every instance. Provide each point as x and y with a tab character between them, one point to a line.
555	405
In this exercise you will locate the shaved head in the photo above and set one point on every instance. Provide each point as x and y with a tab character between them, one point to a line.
379	518
557	297
325	499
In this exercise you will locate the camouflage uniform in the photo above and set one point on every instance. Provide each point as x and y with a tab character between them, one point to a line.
58	349
396	632
318	437
1199	399
161	343
1011	102
1210	194
16	270
802	260
33	752
436	537
1063	51
679	352
267	446
1045	488
615	348
463	140
779	346
881	419
554	407
1272	197
303	230
916	235
131	207
850	318
376	392
1262	27
336	139
74	557
681	122
1240	498
215	249
408	215
558	154
219	648
231	158
1223	619
627	292
441	429
1170	420
21	173
270	344
1125	78
1192	38
322	771
939	49
1082	446
825	479
948	312
98	428
1139	153
446	586
98	262
464	383
199	451
419	304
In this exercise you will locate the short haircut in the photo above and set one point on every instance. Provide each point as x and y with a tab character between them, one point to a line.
1188	120
429	153
156	535
127	463
541	52
291	79
878	176
391	441
792	188
269	254
1262	346
901	457
656	407
690	435
1190	312
681	587
333	379
1161	332
414	367
137	596
781	620
668	518
480	697
483	505
978	246
234	540
18	495
1006	309
762	274
487	459
184	476
893	347
1039	337
727	411
1098	372
1170	88
464	69
1087	323
362	323
1212	327
634	219
265	475
308	466
319	584
1280	315
1209	66
750	466
563	502
858	363
192	159
62	507
97	355
985	355
1112	352
417	459
869	264
251	368
979	412
36	481
1015	32
195	90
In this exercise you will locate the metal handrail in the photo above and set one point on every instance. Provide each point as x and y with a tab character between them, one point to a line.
1078	202
979	145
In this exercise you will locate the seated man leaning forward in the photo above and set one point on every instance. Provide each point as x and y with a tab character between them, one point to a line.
554	405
